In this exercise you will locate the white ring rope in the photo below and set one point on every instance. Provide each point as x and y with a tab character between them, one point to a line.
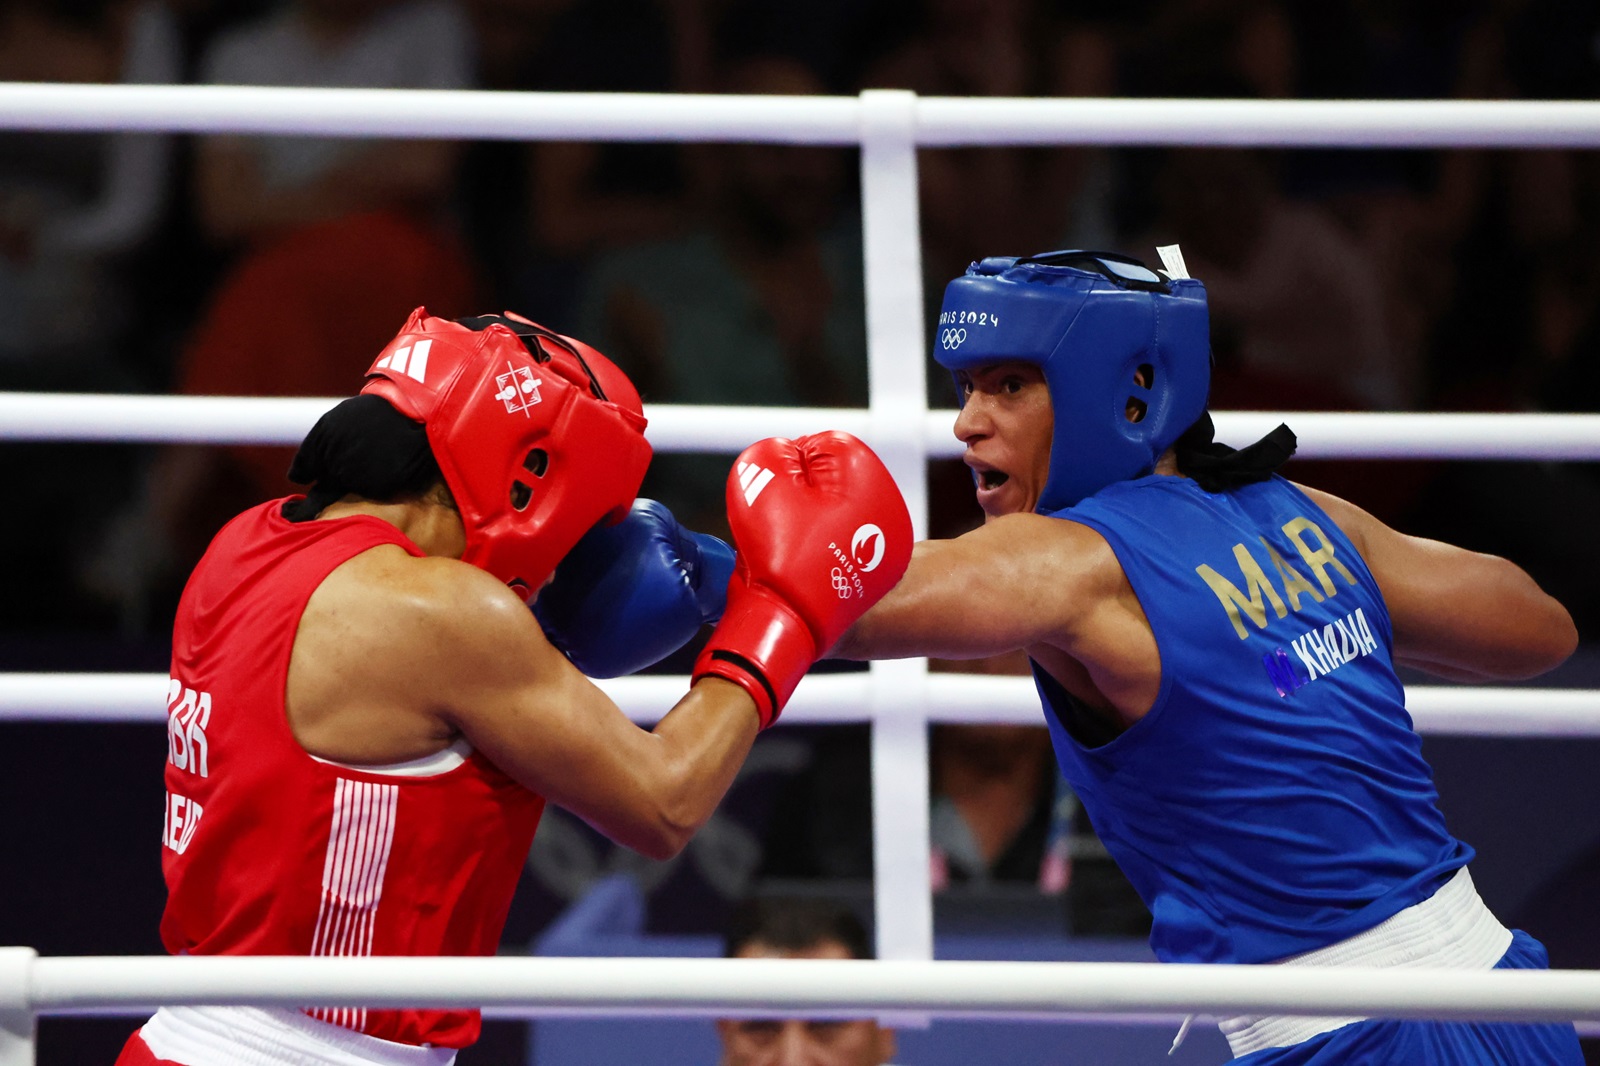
837	698
693	428
836	120
799	986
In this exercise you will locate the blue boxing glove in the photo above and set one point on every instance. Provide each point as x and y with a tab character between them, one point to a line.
629	595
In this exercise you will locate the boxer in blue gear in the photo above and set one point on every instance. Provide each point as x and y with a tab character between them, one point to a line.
1215	651
631	594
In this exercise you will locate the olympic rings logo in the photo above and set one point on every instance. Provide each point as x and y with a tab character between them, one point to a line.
951	339
841	584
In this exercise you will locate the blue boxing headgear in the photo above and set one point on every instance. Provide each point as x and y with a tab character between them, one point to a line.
1090	320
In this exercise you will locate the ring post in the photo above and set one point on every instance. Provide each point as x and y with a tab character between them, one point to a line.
17	1022
898	408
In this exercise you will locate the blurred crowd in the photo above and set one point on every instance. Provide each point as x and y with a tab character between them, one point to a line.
1383	280
731	274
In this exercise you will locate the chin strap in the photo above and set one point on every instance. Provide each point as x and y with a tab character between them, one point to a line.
1218	467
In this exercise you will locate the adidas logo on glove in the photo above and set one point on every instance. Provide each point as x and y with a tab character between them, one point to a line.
752	479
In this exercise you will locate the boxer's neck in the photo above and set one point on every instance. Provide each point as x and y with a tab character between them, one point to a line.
428	522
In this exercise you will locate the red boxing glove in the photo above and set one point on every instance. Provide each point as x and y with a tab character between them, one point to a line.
822	534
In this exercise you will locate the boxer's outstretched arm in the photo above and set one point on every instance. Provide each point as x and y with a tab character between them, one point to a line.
1012	583
1457	613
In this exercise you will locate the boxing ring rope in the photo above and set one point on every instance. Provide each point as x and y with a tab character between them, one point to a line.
833	699
117	418
898	697
817	120
818	988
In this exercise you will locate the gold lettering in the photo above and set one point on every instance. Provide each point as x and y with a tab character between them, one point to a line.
1252	603
1294	583
1318	560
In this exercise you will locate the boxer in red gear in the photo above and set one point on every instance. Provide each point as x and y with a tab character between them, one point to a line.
364	729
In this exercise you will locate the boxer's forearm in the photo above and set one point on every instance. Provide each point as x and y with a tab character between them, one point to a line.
698	749
649	791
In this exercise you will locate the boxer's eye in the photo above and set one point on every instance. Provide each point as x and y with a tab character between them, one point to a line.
521	496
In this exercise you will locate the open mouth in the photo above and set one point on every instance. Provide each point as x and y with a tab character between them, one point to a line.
992	479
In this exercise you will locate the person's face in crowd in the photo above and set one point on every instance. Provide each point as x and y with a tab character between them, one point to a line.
1006	423
800	1041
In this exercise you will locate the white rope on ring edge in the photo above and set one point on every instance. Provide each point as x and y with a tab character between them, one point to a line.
848	697
835	120
693	428
795	987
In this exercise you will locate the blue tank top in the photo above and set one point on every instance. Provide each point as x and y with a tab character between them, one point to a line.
1274	800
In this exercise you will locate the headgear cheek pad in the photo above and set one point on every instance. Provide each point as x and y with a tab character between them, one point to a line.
539	436
1090	321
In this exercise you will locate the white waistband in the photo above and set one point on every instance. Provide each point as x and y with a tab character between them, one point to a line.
252	1036
1451	929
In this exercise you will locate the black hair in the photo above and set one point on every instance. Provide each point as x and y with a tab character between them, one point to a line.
793	924
362	447
1217	467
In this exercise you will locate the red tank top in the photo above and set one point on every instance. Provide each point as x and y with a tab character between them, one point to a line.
269	851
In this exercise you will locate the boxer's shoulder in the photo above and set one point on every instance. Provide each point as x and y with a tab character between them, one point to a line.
408	639
402	606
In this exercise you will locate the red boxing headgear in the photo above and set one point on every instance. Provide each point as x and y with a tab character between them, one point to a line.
539	436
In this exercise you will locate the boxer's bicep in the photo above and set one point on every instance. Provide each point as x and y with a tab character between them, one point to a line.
1017	581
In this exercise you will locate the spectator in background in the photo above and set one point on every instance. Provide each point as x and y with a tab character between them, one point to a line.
1001	815
781	928
993	788
535	212
1298	309
73	208
1075	185
588	197
256	188
761	304
337	239
966	48
340	237
1521	326
1297	296
76	213
1408	210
